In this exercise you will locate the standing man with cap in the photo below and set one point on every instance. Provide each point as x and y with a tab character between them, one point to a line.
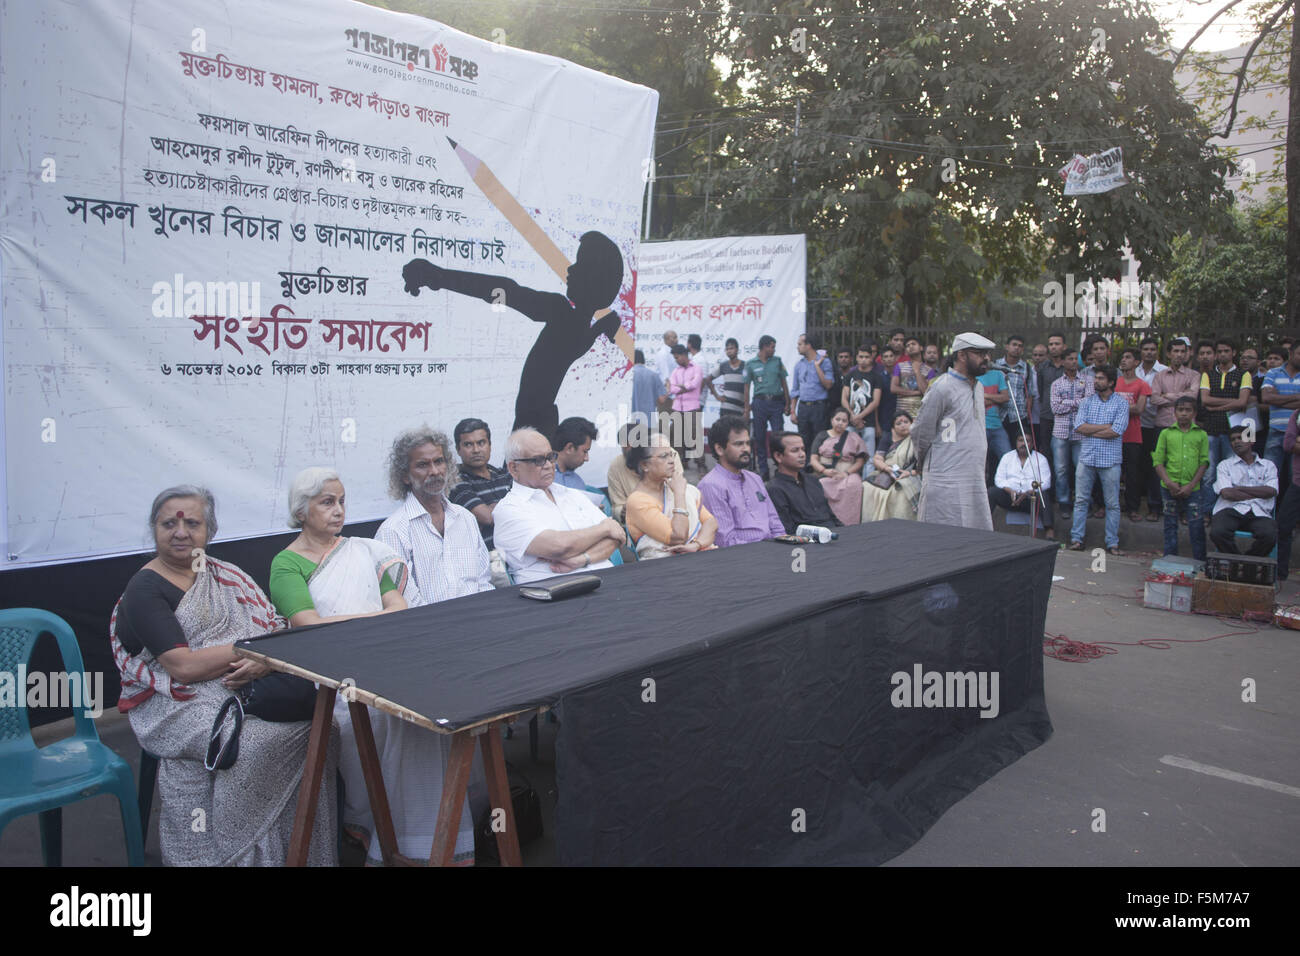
950	442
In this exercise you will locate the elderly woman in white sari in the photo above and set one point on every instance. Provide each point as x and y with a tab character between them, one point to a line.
172	634
321	578
893	489
664	514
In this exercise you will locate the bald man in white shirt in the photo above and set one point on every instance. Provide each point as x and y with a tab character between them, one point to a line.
543	528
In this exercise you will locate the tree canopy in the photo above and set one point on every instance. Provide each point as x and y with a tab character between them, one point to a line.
1237	277
915	142
918	142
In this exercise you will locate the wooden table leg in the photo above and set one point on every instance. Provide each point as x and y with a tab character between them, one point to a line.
375	789
313	769
455	784
494	765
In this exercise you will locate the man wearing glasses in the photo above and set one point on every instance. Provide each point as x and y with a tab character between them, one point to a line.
542	528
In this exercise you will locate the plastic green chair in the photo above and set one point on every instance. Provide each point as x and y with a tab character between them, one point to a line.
42	780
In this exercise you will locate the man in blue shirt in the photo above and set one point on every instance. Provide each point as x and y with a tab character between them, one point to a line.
813	381
647	389
1101	419
1281	393
996	395
572	443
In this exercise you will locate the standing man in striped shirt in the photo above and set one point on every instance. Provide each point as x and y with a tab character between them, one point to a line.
438	540
1281	393
727	383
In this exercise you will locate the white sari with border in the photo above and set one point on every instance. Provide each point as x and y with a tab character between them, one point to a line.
412	759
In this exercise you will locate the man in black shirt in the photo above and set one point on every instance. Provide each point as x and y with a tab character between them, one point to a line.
481	485
798	497
862	393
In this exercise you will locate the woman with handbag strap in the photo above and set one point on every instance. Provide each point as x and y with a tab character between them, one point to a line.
894	488
173	633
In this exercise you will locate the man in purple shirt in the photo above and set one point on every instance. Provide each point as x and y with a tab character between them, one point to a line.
735	495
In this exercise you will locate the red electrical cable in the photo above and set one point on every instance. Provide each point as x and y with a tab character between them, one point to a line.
1063	648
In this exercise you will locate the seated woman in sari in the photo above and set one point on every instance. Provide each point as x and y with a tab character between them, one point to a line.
664	514
896	459
839	456
322	578
172	634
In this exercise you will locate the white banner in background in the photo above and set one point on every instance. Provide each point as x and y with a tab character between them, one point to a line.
213	215
1098	173
740	287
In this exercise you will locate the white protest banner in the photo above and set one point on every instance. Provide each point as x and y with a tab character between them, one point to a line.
740	287
244	238
1098	173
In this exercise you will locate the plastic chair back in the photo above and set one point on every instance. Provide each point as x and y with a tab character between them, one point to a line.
44	780
19	629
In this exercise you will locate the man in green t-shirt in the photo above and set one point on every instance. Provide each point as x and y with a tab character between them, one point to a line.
1181	458
769	398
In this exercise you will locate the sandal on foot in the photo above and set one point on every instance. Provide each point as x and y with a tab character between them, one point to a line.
1076	545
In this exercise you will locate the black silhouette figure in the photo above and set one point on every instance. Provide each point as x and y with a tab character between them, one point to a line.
567	333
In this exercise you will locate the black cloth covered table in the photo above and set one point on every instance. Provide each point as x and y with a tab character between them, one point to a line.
772	689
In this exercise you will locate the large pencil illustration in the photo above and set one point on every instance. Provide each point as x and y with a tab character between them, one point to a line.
593	281
525	225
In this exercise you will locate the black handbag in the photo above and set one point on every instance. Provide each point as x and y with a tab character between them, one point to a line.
881	479
281	698
278	697
222	753
527	807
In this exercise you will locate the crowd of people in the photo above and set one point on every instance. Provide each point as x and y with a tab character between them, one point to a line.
1068	434
894	431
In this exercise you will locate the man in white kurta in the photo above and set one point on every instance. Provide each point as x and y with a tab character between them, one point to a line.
950	443
445	555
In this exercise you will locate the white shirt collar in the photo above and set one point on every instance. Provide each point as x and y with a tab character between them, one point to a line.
412	510
532	494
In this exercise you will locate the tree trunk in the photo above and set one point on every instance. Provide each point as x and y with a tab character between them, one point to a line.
1293	184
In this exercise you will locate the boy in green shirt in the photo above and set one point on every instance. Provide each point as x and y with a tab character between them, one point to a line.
1181	457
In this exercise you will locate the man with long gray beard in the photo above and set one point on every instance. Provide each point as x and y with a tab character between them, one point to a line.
950	443
439	541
